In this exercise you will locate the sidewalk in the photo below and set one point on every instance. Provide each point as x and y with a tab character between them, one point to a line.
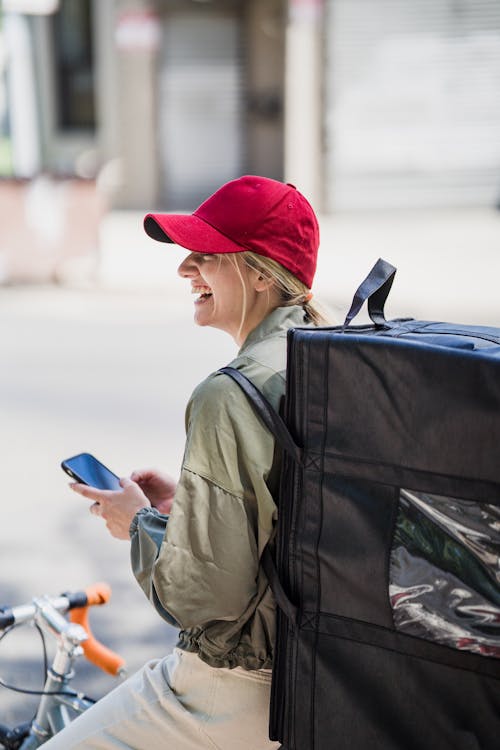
448	261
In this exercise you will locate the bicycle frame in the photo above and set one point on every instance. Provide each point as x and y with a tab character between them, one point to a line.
59	704
53	714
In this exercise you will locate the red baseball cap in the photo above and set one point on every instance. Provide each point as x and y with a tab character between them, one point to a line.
266	216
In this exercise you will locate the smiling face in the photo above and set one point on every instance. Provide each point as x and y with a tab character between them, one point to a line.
230	296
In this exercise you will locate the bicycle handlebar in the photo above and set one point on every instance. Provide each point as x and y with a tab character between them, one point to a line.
26	612
7	618
96	652
77	603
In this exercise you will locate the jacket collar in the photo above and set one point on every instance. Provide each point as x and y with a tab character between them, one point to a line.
279	320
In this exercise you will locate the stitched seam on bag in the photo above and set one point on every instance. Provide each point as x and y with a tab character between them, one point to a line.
467	334
305	390
305	427
308	621
313	655
293	681
390	547
425	472
434	660
411	656
319	532
312	461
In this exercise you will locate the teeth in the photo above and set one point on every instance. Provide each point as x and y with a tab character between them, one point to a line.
201	290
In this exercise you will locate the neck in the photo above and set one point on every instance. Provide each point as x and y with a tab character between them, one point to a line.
253	318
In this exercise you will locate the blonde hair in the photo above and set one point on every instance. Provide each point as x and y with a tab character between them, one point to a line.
291	290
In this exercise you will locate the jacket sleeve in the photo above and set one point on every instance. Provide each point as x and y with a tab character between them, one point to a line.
146	534
207	566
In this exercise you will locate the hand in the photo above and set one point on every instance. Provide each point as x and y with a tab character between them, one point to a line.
117	507
158	487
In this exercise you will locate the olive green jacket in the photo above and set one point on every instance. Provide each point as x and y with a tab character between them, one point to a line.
200	565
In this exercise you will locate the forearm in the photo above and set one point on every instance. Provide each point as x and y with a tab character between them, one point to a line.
208	562
147	531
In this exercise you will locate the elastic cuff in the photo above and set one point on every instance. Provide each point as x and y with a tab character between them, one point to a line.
135	521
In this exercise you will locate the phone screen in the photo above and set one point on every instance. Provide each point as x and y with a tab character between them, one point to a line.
88	470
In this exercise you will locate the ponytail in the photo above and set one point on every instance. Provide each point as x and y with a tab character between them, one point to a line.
292	291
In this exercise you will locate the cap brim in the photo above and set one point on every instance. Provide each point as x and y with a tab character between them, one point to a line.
190	232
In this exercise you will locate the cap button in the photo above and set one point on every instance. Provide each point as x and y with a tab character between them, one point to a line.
290	185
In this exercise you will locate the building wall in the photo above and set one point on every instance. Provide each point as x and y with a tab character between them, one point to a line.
187	95
202	106
201	98
363	104
191	111
132	40
304	98
265	35
412	106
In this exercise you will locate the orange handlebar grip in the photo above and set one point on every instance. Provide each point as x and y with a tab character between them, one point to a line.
96	652
98	593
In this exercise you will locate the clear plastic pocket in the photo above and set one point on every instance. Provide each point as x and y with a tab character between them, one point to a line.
444	578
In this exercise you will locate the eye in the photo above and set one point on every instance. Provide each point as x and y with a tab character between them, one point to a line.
201	258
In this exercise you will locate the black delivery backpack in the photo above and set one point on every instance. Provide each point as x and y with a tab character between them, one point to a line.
387	559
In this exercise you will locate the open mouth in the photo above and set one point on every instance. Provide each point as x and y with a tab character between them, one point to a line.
203	292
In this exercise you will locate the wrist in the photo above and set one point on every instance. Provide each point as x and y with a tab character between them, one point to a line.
137	518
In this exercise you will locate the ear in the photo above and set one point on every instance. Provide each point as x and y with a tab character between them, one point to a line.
262	283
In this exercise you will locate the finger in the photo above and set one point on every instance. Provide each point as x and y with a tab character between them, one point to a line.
142	475
95	509
92	493
137	475
125	482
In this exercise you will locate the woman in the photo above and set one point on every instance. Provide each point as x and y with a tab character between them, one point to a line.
196	544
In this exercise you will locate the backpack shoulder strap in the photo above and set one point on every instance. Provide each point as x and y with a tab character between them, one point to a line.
267	414
282	600
278	428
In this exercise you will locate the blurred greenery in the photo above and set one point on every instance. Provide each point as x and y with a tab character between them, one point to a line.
5	157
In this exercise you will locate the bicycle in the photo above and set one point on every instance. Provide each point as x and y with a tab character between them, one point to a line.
58	703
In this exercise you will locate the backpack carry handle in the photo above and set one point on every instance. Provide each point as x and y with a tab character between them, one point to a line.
375	288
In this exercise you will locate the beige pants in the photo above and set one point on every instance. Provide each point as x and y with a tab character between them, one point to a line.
179	703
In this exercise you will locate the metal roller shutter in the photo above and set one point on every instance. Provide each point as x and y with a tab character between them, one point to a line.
200	102
412	103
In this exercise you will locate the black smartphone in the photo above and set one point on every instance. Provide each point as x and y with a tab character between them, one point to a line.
87	469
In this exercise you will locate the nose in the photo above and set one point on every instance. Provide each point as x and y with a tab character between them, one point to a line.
188	267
